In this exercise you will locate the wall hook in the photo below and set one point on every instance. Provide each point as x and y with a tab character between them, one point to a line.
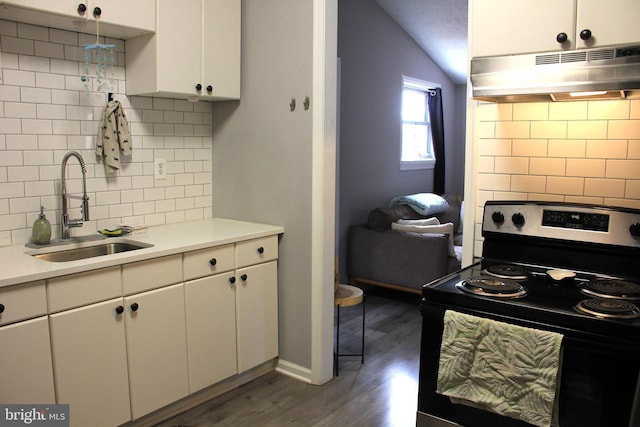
292	104
306	103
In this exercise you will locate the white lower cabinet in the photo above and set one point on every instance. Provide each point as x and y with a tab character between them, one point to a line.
120	342
257	314
90	363
156	348
25	372
211	330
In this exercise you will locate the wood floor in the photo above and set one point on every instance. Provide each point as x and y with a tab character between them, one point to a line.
381	392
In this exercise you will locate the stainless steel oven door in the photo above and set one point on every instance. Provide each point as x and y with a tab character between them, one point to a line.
599	383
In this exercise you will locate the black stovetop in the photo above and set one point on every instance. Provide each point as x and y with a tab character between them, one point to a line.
548	304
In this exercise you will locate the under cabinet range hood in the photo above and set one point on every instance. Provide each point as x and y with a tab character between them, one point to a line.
602	73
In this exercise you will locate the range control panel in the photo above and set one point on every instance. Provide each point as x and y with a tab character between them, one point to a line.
583	223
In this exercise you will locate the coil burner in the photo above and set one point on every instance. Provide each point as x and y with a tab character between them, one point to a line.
609	308
611	288
492	287
513	272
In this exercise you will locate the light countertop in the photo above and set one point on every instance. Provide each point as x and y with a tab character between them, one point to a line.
20	267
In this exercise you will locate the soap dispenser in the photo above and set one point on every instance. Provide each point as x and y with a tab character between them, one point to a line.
41	229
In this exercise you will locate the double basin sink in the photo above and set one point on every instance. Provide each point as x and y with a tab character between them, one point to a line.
84	250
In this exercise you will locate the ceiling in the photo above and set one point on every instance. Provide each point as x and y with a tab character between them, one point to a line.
439	27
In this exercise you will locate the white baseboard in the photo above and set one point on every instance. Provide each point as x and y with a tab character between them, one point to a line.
292	370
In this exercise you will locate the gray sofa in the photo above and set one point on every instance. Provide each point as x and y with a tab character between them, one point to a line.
378	255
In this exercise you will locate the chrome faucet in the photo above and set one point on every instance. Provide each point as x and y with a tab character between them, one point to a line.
66	223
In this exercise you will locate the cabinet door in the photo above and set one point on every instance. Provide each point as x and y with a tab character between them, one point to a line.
500	27
60	7
221	49
257	314
211	330
26	375
140	14
156	348
179	44
90	364
610	23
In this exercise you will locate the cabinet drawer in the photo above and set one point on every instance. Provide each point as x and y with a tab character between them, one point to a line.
256	251
22	302
154	273
74	290
208	261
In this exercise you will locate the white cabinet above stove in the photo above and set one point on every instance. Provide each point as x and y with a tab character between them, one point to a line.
503	27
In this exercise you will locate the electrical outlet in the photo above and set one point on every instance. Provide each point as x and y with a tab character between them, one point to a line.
160	168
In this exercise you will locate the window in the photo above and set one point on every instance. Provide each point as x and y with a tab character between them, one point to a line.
417	144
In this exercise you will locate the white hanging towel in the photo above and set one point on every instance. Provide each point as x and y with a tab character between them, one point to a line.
114	136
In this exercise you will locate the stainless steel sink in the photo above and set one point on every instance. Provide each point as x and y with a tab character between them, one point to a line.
89	251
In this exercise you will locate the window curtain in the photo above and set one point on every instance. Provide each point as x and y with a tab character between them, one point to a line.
437	133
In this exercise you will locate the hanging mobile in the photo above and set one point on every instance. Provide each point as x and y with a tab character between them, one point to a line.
103	56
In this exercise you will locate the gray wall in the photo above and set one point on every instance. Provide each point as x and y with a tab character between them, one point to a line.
374	54
262	153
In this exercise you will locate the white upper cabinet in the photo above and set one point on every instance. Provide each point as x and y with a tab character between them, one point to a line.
194	53
502	27
118	18
610	23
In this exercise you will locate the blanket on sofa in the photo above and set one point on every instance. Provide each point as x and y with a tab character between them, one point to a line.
423	203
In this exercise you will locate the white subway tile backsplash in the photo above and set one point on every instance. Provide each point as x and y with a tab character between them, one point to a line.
12	222
34	32
39	188
41	157
17	45
592	129
611	149
22	142
528	183
46	110
50	111
64	67
9	190
548	166
11	158
531	111
11	126
552	129
63	36
604	187
49	50
629	169
635	110
576	110
565	185
567	148
582	152
18	78
39	95
624	129
143	208
586	167
19	110
37	126
609	110
33	63
512	165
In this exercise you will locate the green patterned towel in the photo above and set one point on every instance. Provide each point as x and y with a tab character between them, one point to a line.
507	369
